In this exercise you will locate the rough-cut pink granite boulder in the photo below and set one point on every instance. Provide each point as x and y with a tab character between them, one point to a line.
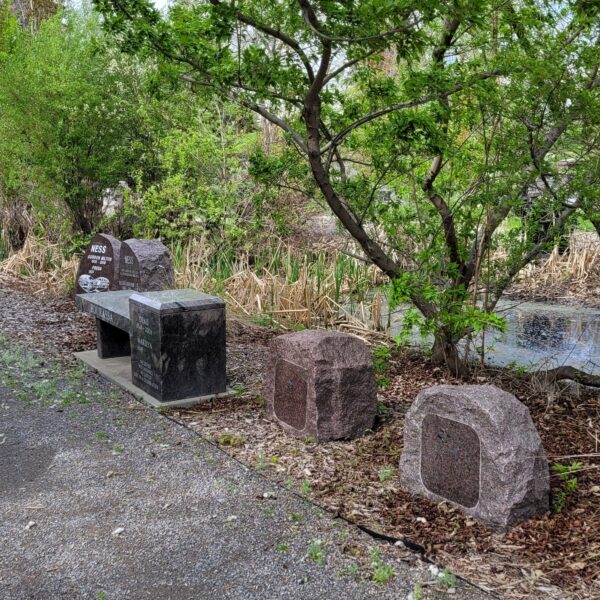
476	447
321	384
145	266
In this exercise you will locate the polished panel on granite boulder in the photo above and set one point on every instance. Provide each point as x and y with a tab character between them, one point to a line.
99	267
177	344
145	265
321	384
476	447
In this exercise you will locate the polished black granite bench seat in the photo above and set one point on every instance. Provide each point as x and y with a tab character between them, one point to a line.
176	339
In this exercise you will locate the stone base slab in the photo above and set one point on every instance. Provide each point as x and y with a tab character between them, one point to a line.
118	370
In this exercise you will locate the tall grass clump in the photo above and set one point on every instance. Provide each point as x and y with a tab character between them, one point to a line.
294	287
43	264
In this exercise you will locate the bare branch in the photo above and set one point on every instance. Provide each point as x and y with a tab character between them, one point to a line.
263	112
533	252
347	65
240	86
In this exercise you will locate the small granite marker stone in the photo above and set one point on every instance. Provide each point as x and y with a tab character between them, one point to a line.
476	447
321	384
177	344
99	268
145	266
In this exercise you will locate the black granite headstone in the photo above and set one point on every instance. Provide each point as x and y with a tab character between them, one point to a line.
145	265
99	268
291	388
177	344
450	460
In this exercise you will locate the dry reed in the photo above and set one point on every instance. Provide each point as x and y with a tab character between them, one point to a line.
312	296
42	263
580	263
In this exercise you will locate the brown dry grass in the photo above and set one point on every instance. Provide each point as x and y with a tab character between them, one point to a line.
42	263
267	295
573	276
312	297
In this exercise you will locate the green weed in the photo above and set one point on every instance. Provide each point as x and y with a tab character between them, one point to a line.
306	487
382	572
447	578
316	552
386	473
227	439
567	477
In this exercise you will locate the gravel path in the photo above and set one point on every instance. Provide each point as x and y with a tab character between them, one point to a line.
102	497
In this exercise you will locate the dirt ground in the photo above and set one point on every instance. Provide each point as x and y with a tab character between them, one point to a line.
555	556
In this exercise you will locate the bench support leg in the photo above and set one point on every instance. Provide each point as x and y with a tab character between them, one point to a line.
111	341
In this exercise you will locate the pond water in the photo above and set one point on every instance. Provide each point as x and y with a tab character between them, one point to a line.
539	335
547	335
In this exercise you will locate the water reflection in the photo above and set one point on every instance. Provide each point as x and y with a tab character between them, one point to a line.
538	335
541	333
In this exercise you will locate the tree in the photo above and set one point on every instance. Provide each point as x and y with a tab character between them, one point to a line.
31	13
468	134
200	188
73	120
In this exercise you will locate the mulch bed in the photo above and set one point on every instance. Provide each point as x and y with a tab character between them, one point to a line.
556	556
552	556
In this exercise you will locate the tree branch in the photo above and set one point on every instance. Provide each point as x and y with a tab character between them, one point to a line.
263	112
276	33
347	65
567	372
401	106
445	213
482	242
533	252
310	18
450	27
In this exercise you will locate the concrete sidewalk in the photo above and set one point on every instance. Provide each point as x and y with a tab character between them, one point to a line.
102	497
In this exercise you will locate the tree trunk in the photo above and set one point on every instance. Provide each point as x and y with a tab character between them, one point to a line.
445	352
596	224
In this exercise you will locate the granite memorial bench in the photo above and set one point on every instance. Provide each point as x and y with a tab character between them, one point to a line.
176	340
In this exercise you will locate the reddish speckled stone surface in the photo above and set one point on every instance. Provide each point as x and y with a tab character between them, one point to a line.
321	384
476	447
451	447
